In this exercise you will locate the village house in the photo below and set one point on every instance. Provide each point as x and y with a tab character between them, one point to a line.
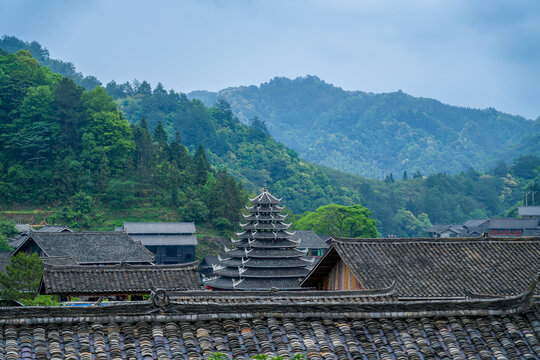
511	227
314	244
26	229
170	242
117	282
426	268
529	211
86	248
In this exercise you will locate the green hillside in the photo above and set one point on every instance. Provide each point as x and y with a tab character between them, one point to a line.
74	150
376	134
70	149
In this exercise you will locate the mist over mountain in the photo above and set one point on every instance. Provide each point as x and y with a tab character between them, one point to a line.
377	134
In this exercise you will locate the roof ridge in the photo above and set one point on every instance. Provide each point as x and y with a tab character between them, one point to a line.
461	240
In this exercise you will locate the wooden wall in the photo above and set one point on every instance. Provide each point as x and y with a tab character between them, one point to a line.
341	278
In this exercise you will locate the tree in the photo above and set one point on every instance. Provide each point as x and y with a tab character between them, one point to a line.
409	225
22	277
338	220
160	139
200	166
7	228
405	177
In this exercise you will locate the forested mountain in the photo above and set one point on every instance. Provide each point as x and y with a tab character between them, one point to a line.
81	163
377	134
63	146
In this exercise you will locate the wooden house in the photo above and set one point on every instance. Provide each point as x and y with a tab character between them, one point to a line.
170	242
427	267
87	248
118	282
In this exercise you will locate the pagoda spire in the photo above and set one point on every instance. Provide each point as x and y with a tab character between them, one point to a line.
264	256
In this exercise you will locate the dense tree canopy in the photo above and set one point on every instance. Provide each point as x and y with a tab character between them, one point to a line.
56	150
62	145
341	221
22	277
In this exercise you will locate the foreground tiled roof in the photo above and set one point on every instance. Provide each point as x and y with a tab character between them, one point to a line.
338	329
428	267
91	247
119	279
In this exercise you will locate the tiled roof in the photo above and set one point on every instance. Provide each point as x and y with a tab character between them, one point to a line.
265	244
58	261
264	240
267	263
309	240
267	253
265	198
159	228
164	240
91	247
23	227
332	327
17	240
475	222
427	267
119	279
440	228
513	223
529	211
54	228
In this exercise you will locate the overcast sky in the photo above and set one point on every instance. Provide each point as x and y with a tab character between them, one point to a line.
469	53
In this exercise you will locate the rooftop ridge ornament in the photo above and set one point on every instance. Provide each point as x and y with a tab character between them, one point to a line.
217	267
236	283
226	249
222	259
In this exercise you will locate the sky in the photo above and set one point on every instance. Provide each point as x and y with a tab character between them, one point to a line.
471	53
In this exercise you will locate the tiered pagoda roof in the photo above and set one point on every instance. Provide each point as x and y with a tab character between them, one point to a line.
264	256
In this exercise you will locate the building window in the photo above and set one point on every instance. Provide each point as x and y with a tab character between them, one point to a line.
188	257
152	249
170	251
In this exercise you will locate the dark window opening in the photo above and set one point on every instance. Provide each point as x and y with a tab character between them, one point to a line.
170	251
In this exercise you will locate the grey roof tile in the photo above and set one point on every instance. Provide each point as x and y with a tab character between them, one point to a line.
122	279
159	227
310	240
321	326
427	267
91	247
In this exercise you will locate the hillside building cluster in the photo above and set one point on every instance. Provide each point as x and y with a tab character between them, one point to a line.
528	224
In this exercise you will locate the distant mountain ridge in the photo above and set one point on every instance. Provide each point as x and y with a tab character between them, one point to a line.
377	134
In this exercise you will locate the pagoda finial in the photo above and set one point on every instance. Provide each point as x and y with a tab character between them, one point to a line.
265	189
